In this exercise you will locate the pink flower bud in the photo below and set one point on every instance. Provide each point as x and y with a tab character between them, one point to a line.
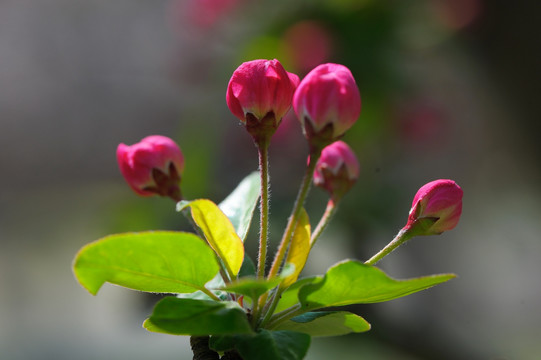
327	102
337	169
439	202
152	166
260	94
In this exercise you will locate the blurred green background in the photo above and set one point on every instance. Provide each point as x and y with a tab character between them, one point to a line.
450	89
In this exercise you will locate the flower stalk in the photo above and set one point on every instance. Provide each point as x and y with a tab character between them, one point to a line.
299	202
263	148
330	210
400	238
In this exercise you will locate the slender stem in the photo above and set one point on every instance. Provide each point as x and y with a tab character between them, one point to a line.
263	147
284	315
299	202
288	234
330	210
270	306
211	294
400	238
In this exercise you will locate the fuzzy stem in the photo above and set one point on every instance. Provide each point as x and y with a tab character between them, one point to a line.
263	147
403	235
284	315
330	210
293	219
270	306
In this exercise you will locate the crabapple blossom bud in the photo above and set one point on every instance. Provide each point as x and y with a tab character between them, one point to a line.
327	103
152	166
436	208
337	169
260	94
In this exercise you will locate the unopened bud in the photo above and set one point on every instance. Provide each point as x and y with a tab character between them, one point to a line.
436	208
327	103
337	169
260	93
152	166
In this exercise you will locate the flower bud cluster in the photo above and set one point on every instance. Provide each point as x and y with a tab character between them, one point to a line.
327	103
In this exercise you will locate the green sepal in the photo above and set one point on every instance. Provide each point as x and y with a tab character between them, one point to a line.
178	316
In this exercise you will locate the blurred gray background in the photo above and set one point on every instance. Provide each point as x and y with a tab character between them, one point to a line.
450	89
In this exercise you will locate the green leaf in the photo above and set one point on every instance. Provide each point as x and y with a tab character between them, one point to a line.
197	317
239	206
160	261
352	282
299	248
255	287
252	287
274	345
326	323
223	343
218	231
290	297
265	345
248	267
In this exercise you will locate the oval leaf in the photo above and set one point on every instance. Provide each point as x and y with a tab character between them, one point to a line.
239	206
299	248
352	282
326	323
219	232
161	261
197	317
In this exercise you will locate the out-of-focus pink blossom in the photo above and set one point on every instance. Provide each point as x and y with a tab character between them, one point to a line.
308	44
456	14
152	166
439	200
423	122
206	13
327	103
337	169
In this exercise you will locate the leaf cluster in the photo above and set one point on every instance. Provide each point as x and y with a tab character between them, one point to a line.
215	289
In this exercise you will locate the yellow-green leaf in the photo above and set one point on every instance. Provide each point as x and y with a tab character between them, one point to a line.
299	248
218	231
